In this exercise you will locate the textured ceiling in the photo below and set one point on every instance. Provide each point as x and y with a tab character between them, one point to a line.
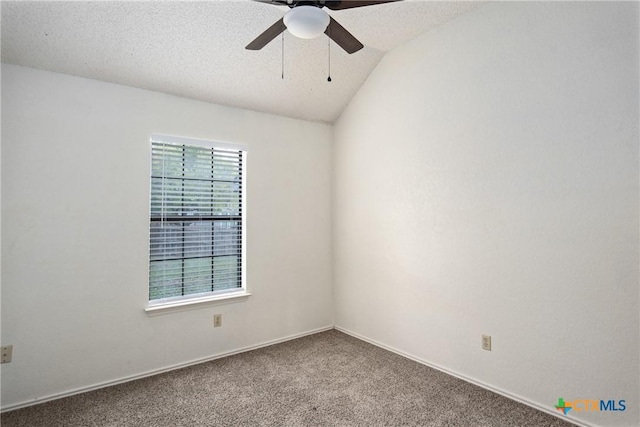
195	49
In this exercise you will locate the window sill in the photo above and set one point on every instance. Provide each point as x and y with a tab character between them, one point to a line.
190	304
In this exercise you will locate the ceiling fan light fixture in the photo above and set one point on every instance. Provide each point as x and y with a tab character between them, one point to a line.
306	22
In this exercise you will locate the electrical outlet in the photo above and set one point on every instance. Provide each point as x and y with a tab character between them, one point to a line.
217	320
486	342
7	352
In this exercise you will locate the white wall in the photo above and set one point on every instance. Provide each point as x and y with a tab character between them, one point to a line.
486	182
75	203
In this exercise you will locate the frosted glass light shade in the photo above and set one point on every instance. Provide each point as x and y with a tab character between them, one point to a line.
306	22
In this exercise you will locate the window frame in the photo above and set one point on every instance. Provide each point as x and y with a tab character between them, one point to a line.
226	295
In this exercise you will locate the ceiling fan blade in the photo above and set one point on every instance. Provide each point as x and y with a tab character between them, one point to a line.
269	34
342	37
349	4
274	2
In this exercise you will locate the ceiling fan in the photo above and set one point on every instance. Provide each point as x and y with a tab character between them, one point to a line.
307	20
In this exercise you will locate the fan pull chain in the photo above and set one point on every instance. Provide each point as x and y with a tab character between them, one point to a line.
283	55
329	55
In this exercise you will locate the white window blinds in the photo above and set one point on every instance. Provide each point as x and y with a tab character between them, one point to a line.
195	221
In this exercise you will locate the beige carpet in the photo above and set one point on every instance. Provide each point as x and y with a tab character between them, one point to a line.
326	379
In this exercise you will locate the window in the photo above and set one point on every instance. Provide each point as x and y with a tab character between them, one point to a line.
196	220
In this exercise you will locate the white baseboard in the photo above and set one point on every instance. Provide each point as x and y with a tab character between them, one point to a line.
158	371
497	390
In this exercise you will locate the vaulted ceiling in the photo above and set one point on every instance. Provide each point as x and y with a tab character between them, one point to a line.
196	49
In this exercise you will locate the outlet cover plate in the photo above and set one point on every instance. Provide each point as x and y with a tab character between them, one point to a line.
7	353
486	342
217	320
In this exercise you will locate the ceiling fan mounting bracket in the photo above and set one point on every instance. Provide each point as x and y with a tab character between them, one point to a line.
292	4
